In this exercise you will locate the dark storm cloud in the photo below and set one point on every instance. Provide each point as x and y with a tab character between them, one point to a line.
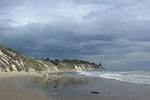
9	3
116	3
115	32
58	42
5	18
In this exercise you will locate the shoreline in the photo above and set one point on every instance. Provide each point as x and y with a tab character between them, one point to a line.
73	86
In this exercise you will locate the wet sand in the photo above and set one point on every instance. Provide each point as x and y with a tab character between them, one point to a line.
79	87
12	87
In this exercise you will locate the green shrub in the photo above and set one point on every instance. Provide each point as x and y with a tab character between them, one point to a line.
9	49
70	64
38	68
16	52
37	58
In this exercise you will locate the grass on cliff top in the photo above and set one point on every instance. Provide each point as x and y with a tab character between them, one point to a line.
10	49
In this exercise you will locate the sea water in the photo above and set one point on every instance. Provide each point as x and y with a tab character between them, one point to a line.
141	77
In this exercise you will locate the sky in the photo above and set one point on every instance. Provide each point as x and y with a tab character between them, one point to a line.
114	32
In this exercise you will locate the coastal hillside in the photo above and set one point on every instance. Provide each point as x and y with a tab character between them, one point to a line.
11	60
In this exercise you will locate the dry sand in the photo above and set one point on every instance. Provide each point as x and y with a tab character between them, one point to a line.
9	91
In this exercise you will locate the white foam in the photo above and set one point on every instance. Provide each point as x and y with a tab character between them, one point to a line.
141	77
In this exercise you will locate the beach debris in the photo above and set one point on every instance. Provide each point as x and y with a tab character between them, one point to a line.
55	93
39	72
38	81
46	82
65	84
55	86
44	75
95	92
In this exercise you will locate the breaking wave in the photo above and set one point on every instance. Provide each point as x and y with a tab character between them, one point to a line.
141	77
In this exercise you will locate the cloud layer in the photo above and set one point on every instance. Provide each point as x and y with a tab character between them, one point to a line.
115	32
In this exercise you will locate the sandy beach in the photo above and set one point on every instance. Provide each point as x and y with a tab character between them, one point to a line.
68	86
12	87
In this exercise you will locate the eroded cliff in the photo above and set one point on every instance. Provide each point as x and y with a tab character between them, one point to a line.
13	61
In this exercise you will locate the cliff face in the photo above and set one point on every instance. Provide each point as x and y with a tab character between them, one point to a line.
13	61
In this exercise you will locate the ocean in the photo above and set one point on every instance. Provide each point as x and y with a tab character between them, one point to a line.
140	76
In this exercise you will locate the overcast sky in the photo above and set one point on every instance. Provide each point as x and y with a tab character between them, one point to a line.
114	32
